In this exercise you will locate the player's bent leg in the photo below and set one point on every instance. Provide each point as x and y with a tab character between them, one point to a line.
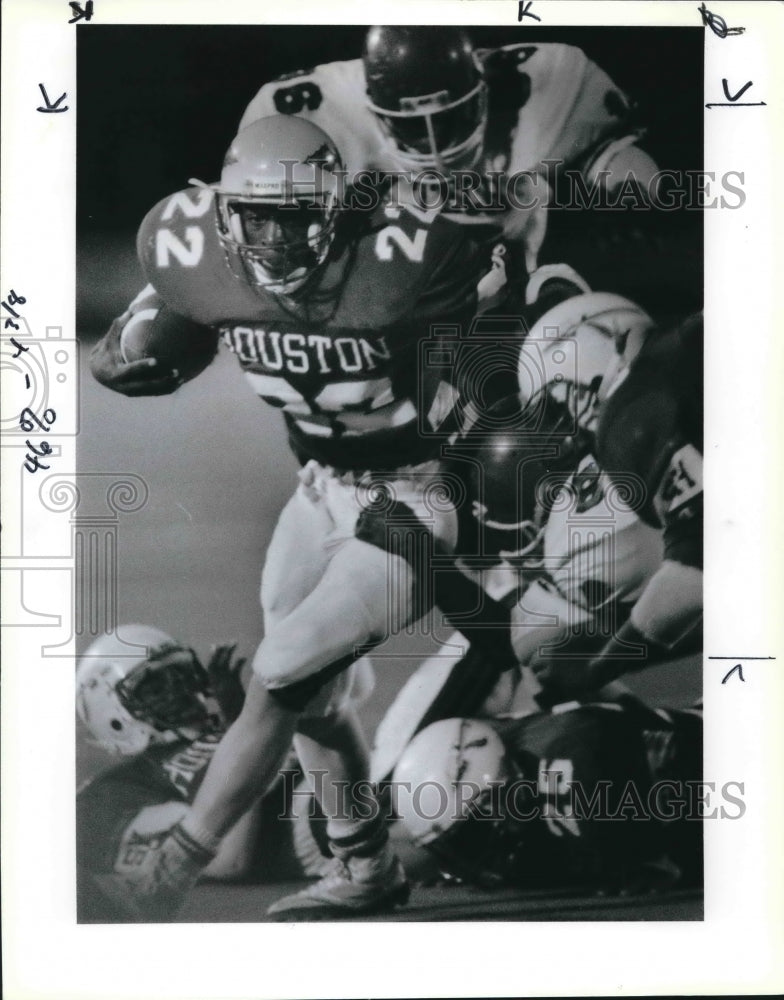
364	595
335	744
237	852
330	740
368	593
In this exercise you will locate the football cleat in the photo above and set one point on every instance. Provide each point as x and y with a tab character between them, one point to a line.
354	885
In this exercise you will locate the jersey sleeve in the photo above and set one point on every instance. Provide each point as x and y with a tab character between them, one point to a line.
180	255
450	291
331	96
650	429
569	105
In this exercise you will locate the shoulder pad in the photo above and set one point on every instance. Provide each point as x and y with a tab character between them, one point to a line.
175	228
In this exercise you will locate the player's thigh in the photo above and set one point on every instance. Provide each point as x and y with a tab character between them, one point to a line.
296	557
364	595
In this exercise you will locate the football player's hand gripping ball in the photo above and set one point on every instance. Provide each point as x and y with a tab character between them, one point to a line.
145	377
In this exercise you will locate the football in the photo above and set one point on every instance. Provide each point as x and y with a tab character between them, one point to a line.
171	339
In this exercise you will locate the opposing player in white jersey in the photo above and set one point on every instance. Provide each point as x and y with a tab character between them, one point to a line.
650	433
421	99
552	553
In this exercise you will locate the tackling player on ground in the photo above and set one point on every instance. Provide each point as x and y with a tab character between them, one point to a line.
552	553
164	713
604	795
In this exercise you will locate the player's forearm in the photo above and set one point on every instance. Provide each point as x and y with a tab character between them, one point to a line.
665	617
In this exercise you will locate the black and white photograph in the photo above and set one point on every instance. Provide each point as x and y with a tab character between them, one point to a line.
389	592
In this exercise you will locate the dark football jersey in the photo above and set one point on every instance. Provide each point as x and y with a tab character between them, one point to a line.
125	810
341	355
651	425
582	802
108	808
592	778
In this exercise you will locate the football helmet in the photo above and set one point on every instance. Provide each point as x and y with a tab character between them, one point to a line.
425	86
277	201
518	457
132	701
449	793
571	348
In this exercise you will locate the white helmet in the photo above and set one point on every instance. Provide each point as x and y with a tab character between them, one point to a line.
130	701
452	786
570	348
444	774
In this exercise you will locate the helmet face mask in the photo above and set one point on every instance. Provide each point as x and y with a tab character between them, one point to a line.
278	246
511	541
433	131
167	695
277	202
425	87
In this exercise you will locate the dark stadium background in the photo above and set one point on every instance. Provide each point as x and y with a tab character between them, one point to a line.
156	106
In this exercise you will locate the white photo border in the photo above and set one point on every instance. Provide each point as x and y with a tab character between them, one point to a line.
736	949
